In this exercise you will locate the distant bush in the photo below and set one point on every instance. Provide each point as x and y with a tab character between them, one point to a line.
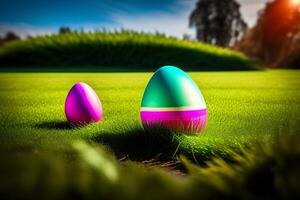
125	50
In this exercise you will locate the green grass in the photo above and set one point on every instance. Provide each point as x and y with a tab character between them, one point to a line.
243	107
84	171
250	116
116	51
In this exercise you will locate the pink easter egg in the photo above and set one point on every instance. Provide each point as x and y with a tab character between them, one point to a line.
83	105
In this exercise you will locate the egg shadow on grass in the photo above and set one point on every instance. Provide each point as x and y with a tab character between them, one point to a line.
57	125
155	144
138	144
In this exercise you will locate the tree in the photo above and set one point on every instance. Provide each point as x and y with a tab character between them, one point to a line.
64	29
218	22
9	36
275	39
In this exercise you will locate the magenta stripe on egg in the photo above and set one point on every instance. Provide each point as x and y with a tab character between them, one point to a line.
192	120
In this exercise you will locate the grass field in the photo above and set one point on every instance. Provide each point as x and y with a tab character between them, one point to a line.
243	107
42	156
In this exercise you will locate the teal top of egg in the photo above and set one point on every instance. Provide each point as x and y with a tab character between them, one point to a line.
171	87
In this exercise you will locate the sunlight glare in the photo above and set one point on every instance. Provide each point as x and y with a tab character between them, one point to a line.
295	2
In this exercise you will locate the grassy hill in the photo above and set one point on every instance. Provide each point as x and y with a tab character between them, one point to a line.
118	51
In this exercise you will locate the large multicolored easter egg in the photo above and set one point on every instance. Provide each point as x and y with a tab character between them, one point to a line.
172	100
82	105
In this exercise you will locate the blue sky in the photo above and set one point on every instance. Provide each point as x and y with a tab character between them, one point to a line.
45	16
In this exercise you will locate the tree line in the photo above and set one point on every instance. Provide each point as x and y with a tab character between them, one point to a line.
274	40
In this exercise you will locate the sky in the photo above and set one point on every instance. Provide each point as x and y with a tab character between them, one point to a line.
31	17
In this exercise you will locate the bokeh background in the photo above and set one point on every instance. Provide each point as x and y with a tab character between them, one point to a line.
267	31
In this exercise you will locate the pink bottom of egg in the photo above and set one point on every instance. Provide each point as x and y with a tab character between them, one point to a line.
189	121
83	105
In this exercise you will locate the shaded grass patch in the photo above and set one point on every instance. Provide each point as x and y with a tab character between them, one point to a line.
63	125
139	144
